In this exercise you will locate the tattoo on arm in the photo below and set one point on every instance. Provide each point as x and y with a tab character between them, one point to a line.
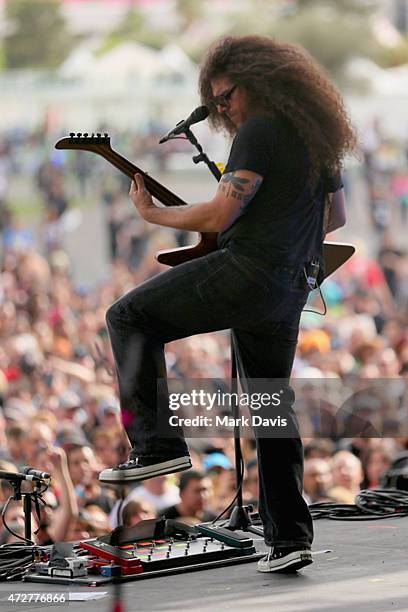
240	188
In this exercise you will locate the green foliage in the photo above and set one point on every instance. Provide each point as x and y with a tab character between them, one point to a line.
134	28
394	56
361	7
333	31
189	11
2	59
331	37
38	36
132	24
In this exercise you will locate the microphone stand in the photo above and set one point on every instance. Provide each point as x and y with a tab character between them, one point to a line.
202	157
27	516
27	503
240	517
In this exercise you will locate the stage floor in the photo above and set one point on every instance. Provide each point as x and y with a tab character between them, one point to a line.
367	570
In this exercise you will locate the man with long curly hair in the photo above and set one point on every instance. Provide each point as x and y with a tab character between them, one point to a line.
271	211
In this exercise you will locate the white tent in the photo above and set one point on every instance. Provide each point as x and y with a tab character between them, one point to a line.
80	63
128	61
385	82
177	60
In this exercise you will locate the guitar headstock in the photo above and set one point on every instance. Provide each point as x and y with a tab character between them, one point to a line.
96	143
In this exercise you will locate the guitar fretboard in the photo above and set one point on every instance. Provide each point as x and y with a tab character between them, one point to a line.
164	195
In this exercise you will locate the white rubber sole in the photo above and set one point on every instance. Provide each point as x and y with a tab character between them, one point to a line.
293	561
116	476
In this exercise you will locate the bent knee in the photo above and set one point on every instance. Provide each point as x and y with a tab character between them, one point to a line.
113	314
121	312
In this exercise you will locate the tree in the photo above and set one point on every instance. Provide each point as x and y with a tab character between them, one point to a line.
37	36
333	31
134	27
190	11
332	35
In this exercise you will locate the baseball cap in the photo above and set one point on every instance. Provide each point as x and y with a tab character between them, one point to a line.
108	404
216	460
69	399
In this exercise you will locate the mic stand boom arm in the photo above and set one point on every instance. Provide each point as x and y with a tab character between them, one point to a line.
202	157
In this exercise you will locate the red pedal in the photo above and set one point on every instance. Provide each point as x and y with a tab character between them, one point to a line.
126	559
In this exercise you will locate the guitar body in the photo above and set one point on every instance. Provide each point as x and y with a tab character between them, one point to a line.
335	253
174	257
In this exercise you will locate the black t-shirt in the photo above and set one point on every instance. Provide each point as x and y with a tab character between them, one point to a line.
170	513
282	224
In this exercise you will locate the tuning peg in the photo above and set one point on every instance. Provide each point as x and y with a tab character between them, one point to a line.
86	135
98	135
106	135
72	134
93	135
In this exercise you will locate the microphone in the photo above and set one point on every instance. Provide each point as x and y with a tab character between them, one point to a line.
15	477
29	471
198	114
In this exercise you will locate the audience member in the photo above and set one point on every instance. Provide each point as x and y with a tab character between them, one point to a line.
193	505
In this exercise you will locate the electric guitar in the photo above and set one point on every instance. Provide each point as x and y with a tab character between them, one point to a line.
335	253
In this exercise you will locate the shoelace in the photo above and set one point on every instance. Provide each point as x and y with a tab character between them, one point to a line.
122	466
272	554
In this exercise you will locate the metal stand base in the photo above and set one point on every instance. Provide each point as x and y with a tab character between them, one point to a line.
240	519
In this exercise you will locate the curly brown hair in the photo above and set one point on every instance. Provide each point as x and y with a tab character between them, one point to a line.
283	78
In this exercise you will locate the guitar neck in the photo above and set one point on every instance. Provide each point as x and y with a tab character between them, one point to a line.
164	195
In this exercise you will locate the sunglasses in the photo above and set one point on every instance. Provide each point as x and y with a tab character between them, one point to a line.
223	98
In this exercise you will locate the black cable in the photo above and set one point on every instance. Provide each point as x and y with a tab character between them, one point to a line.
236	494
23	558
16	535
16	558
37	496
369	504
322	314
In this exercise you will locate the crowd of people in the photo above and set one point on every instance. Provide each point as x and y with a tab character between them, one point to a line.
385	165
58	396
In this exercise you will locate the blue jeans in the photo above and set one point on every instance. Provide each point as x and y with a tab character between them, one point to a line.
223	290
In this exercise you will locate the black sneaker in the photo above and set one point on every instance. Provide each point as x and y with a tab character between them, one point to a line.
143	468
285	559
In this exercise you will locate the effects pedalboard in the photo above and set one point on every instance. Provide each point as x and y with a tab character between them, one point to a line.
151	548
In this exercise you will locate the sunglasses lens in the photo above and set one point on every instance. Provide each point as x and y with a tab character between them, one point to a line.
224	98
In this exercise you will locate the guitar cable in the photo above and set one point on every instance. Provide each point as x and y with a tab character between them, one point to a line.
317	312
